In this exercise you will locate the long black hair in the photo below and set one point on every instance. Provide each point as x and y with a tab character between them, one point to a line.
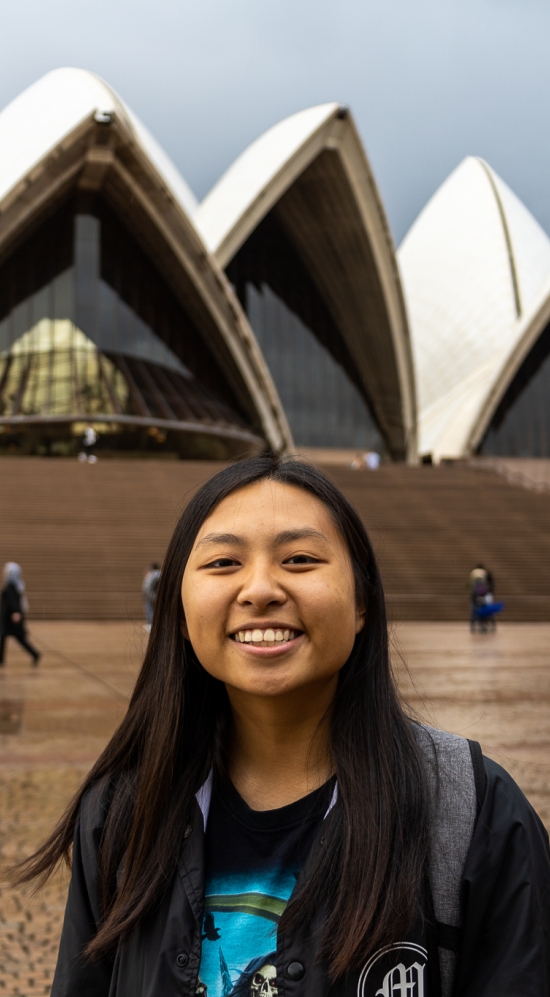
368	877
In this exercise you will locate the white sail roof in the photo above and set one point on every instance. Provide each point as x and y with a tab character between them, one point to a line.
248	178
40	118
71	130
312	169
474	266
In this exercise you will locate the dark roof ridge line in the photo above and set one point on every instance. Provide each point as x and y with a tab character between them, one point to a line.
507	235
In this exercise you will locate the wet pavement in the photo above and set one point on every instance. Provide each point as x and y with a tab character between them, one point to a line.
54	721
493	688
65	711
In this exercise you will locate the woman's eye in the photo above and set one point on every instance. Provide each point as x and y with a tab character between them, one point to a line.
223	562
301	559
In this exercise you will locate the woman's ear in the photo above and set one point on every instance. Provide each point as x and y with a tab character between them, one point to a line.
183	628
360	617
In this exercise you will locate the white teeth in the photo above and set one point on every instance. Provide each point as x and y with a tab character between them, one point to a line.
268	636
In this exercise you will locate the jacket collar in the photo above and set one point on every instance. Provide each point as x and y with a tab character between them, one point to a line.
204	798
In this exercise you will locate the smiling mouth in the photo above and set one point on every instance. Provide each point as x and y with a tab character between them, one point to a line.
265	638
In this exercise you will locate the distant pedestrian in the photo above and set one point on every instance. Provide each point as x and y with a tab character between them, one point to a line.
372	460
13	609
479	586
483	608
149	590
369	460
89	440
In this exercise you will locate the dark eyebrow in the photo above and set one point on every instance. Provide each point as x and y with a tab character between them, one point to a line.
305	532
221	538
288	536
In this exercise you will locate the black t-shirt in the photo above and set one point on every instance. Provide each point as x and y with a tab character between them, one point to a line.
252	861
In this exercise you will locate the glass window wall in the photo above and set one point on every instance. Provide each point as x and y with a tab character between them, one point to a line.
324	408
314	374
520	426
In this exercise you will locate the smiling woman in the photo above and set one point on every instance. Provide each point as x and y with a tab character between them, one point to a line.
271	611
267	820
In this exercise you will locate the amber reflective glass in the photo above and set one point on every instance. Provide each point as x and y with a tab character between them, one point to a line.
89	327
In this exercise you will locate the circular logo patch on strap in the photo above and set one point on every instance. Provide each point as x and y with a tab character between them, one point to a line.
397	970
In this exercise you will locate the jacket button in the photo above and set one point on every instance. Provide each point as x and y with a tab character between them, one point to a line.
295	971
187	831
182	959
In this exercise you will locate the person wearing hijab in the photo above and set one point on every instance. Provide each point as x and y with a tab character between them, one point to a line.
13	608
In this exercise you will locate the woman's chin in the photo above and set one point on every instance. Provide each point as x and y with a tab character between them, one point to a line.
275	682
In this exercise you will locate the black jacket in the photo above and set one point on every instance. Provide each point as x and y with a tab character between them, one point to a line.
10	602
503	946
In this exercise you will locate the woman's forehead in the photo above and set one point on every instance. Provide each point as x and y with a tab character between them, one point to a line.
269	506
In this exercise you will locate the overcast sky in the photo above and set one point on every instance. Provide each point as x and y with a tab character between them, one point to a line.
428	81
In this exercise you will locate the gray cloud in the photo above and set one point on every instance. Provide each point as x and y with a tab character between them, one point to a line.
428	81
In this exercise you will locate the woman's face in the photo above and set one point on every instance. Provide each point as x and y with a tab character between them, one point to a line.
268	592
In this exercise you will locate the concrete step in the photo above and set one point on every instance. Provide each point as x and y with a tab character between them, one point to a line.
85	534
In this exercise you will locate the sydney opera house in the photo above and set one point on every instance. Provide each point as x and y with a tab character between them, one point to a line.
276	313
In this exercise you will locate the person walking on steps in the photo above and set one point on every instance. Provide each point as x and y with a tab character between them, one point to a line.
268	821
13	609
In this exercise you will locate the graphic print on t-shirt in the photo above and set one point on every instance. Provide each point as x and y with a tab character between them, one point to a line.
253	859
240	934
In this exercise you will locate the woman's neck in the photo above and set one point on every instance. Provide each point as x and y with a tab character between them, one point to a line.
280	750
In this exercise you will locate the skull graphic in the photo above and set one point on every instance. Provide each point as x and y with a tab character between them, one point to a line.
264	982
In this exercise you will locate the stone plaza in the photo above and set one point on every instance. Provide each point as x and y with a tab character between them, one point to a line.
55	720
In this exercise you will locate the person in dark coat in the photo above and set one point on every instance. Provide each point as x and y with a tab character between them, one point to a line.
13	607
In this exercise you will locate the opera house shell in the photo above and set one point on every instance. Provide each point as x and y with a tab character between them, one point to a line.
271	315
475	268
112	314
298	225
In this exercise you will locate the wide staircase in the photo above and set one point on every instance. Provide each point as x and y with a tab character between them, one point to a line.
85	534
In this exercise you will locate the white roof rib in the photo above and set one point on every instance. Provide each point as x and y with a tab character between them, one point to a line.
40	118
254	171
474	266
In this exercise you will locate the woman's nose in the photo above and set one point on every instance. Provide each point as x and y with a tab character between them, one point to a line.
260	588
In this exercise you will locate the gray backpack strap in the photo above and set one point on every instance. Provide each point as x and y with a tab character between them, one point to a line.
480	775
454	791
